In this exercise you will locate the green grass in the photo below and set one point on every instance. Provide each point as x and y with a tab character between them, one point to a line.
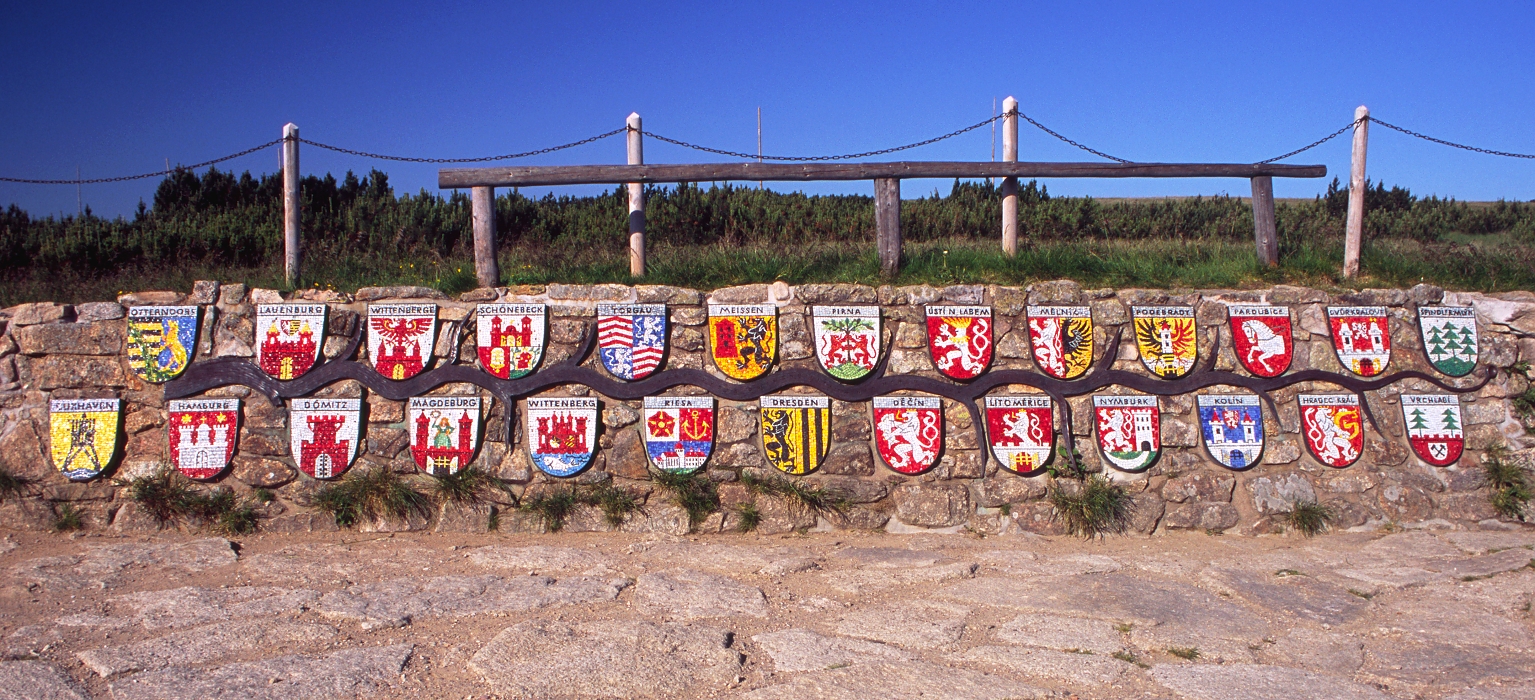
615	503
372	493
1509	482
748	517
810	498
1185	653
359	232
1309	518
692	491
67	518
171	498
469	486
553	507
12	485
1091	507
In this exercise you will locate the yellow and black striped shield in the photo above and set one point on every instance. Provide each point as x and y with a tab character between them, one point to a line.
795	432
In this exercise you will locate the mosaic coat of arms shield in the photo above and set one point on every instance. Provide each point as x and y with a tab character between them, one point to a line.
1434	427
1021	430
289	338
445	430
1129	430
83	435
743	338
400	338
959	339
678	431
1061	338
795	432
631	338
1449	338
908	432
509	338
1333	427
161	341
1166	339
1232	425
1361	335
562	434
203	435
847	340
1261	337
324	434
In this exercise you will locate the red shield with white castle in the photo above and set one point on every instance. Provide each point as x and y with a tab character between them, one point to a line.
400	338
445	432
203	433
1361	335
1129	430
1333	426
959	338
324	435
289	338
562	434
1261	337
1433	427
1021	430
908	432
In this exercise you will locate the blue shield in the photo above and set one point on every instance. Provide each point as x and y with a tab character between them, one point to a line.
1232	425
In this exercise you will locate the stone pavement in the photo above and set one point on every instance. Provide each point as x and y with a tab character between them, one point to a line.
1414	614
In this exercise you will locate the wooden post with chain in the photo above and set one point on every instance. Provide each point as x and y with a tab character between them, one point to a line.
1353	236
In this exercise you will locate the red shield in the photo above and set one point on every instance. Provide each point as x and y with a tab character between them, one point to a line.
1021	430
1333	426
1361	335
1260	335
959	338
203	435
908	431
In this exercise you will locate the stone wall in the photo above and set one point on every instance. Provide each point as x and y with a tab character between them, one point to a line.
61	351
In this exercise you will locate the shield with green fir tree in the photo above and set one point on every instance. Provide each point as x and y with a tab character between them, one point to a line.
846	340
1449	338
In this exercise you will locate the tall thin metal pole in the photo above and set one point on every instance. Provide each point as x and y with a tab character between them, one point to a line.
1354	233
1010	185
290	203
636	200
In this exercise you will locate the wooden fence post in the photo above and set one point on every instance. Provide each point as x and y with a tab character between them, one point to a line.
482	208
290	203
636	200
887	224
1263	221
1010	185
1354	233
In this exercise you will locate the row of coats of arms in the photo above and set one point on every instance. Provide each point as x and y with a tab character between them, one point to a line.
678	431
743	339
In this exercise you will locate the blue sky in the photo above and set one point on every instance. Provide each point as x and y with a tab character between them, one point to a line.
117	90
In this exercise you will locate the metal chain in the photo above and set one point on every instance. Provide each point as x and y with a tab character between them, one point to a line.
1047	130
849	156
508	156
158	173
1443	142
1314	144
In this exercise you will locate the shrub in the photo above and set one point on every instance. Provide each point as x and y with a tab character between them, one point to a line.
165	494
12	485
372	493
1092	507
67	518
693	491
615	503
1510	484
1309	518
747	517
553	507
799	494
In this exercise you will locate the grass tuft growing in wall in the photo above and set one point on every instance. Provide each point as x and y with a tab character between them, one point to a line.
372	493
692	491
1510	483
1309	518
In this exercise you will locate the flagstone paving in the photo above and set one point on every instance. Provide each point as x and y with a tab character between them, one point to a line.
1436	615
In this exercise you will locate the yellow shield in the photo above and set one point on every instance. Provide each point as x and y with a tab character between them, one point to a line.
1165	336
83	435
795	432
743	338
